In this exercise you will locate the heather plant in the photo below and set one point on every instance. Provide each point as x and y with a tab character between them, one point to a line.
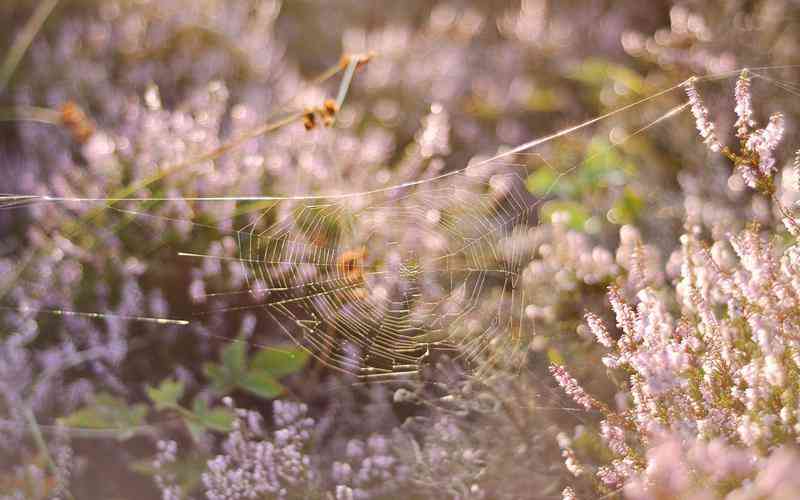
708	398
382	285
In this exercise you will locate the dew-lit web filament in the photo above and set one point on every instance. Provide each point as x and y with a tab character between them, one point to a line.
97	315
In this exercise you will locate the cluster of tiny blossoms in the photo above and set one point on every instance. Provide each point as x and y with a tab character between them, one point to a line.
724	371
756	157
369	470
253	467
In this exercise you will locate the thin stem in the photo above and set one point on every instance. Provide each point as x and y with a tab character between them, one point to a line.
24	40
30	114
40	443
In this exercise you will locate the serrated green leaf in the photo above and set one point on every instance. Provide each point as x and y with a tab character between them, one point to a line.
280	361
261	384
167	394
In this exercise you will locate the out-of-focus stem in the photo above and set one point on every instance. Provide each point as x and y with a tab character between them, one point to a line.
40	443
24	40
30	114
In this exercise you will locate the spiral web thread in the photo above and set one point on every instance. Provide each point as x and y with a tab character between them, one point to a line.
369	285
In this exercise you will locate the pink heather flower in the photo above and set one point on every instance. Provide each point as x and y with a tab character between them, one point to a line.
570	460
778	477
614	437
704	125
661	367
764	142
749	430
568	494
599	330
636	272
571	387
609	476
165	481
653	323
617	474
721	461
625	317
744	106
666	476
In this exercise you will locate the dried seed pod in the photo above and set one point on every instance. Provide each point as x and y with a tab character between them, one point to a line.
328	112
75	120
309	120
330	106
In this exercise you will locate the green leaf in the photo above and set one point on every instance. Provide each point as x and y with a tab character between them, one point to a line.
217	418
166	395
541	182
280	361
221	380
108	412
234	358
196	429
261	384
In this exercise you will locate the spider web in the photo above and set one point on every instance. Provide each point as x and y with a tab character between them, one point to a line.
371	283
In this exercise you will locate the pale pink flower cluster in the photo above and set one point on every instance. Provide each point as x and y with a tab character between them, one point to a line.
369	470
254	465
571	386
744	106
166	481
706	470
713	391
568	454
704	124
764	142
756	160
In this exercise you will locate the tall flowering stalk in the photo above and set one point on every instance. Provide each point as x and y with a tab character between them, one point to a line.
571	387
704	124
744	106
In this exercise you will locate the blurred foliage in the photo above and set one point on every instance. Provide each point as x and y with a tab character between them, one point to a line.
108	413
